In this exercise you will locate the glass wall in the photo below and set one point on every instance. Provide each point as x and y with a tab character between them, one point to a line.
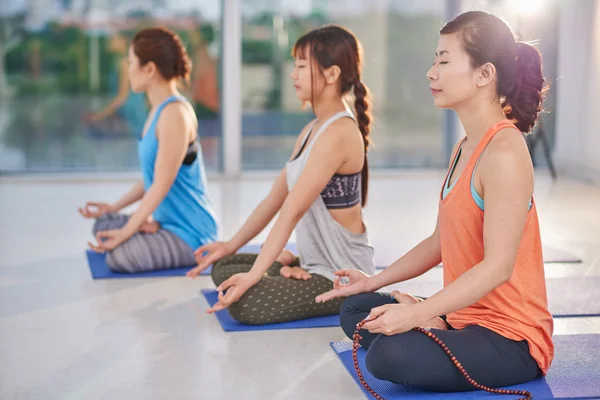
399	39
64	105
64	100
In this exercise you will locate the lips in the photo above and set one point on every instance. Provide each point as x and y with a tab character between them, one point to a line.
434	91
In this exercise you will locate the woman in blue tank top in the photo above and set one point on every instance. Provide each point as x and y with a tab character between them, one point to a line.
175	215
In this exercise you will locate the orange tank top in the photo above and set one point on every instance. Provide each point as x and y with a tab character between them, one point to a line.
518	309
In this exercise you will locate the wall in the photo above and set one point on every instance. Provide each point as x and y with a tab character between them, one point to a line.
577	149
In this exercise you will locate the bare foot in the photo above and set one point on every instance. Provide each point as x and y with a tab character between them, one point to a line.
286	257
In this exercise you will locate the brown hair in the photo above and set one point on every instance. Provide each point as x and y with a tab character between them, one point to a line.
334	45
520	83
165	49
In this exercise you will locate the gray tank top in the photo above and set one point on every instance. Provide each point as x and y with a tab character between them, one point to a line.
324	244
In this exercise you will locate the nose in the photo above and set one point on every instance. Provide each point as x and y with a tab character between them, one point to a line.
432	74
293	73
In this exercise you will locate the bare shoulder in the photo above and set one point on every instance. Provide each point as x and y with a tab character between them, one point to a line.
177	112
507	153
342	132
176	116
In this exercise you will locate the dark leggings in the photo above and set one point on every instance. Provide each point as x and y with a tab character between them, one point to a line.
275	298
414	359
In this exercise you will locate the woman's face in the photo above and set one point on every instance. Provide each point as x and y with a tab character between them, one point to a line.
303	79
139	76
452	80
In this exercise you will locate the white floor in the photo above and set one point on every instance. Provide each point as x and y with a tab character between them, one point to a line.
65	336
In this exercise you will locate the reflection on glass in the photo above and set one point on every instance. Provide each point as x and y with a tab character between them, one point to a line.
126	112
399	39
65	102
534	21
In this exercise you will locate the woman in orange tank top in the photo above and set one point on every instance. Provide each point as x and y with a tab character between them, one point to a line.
492	312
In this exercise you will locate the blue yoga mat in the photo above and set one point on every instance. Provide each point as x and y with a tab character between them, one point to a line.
230	325
99	269
574	374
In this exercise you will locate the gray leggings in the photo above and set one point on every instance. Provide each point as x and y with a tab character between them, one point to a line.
144	252
275	298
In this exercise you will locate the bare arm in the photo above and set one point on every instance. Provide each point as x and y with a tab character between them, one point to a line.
506	165
264	213
325	159
173	140
134	195
417	261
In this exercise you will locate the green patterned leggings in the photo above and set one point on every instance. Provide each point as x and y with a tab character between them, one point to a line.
275	298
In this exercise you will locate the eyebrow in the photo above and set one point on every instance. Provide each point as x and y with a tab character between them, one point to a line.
442	53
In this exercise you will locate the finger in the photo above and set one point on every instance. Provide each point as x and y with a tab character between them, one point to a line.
202	249
374	326
89	210
217	307
377	312
286	272
332	294
297	273
194	272
304	275
97	249
225	285
205	262
343	272
404	298
227	299
336	282
397	296
91	207
104	235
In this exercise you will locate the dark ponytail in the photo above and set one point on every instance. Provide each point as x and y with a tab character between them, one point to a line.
363	116
333	45
523	104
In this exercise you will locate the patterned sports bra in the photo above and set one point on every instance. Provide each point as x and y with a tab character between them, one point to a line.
342	191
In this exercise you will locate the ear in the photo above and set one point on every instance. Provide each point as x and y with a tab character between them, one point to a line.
151	69
332	74
486	74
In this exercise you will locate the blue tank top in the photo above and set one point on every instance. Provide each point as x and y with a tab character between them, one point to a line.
186	210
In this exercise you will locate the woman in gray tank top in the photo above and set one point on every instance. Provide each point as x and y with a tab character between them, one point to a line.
320	192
